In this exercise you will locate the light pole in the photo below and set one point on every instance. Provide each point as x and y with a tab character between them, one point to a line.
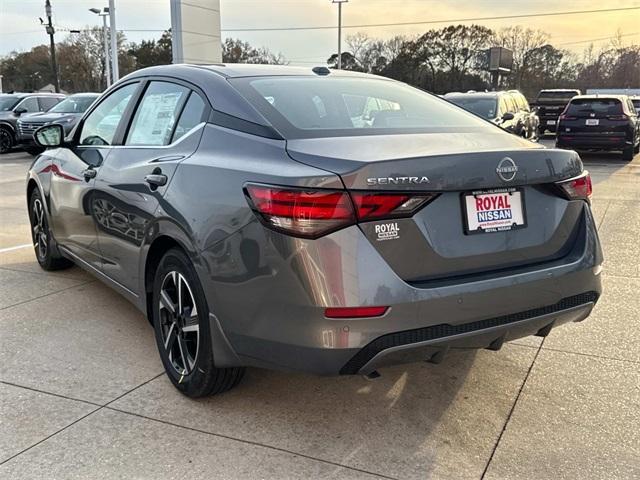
50	30
105	39
114	40
339	2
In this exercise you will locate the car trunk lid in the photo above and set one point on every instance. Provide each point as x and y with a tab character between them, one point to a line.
460	168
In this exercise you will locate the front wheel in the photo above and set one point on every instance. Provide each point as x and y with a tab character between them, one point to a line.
6	140
183	335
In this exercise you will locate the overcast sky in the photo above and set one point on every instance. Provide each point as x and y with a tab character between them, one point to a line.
20	29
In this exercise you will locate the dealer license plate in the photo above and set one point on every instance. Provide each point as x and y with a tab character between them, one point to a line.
494	210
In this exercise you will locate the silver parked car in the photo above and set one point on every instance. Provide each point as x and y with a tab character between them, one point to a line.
315	220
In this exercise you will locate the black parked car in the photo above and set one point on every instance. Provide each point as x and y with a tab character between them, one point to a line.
66	113
550	104
594	122
508	110
13	105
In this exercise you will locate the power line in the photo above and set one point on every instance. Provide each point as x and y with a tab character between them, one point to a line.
429	22
611	37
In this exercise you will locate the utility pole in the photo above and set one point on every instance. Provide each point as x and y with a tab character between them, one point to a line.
114	41
50	30
339	2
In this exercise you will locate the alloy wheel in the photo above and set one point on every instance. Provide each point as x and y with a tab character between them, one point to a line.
179	323
39	226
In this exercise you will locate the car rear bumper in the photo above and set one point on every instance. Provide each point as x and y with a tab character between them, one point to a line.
603	142
270	311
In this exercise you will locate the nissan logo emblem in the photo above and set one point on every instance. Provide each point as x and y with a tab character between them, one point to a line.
507	169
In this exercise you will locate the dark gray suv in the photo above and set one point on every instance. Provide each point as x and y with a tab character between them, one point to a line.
14	105
315	220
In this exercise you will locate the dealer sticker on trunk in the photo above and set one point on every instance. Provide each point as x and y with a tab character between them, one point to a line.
494	210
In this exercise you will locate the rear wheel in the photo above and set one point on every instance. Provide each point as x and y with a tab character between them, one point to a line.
6	140
183	335
627	153
46	254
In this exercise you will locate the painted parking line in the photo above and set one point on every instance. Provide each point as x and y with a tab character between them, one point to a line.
17	247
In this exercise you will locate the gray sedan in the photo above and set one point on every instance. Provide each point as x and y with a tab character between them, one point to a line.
311	219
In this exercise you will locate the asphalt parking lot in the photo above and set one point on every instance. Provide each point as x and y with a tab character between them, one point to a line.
82	393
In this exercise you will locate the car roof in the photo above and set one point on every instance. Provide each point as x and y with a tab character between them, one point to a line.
85	94
559	90
39	94
475	94
607	96
235	70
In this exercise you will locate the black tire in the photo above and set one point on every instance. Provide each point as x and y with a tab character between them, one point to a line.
636	149
627	154
43	244
188	355
6	140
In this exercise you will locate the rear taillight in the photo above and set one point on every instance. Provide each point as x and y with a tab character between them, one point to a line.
621	118
567	117
305	213
311	213
577	188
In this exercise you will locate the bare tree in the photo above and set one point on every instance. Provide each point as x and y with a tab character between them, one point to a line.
522	42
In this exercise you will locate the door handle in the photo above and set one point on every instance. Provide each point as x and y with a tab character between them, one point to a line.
156	180
89	173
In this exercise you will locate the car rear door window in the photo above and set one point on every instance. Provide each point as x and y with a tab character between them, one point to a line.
48	102
100	126
190	117
156	115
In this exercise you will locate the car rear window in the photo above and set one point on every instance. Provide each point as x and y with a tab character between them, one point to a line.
597	107
312	107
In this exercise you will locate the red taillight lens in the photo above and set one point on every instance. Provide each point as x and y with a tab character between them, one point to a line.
375	206
578	188
355	312
567	117
311	213
622	118
301	212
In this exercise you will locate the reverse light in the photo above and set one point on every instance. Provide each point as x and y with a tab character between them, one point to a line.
311	213
355	312
577	188
376	206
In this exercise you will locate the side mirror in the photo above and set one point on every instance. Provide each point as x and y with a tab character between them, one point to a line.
49	136
508	116
20	111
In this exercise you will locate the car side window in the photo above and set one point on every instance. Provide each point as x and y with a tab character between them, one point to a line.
48	102
30	104
100	126
156	115
190	117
